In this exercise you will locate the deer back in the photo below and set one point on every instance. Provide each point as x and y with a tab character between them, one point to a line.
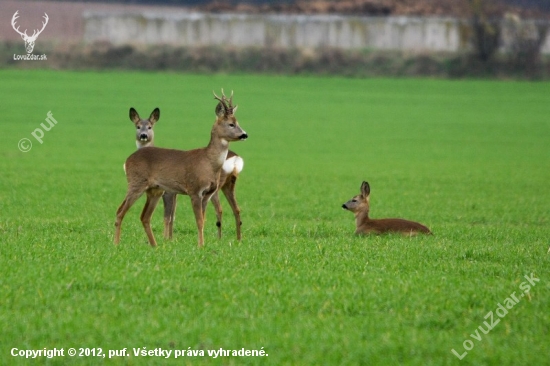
380	226
177	171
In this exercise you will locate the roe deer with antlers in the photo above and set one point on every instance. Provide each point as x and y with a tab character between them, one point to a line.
232	166
359	205
29	40
231	169
195	173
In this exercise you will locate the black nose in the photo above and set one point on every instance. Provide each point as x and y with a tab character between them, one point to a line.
143	136
344	206
244	136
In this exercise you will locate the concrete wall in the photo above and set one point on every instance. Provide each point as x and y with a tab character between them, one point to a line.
287	31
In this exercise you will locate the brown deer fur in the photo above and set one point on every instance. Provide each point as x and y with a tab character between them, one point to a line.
195	173
228	177
145	137
359	205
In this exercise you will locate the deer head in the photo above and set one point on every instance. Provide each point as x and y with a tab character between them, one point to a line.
29	40
359	203
226	125
144	127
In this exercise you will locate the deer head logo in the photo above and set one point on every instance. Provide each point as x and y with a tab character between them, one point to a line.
29	40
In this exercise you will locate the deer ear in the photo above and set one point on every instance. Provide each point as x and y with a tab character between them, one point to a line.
365	189
134	116
220	110
155	115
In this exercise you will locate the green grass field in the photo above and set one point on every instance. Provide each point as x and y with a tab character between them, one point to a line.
469	159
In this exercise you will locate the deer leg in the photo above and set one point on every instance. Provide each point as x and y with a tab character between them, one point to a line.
153	197
172	217
129	200
228	190
169	200
196	201
218	207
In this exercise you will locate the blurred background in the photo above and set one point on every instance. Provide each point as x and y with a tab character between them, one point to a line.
443	38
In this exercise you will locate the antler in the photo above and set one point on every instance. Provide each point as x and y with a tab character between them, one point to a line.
34	34
13	21
227	104
230	98
222	99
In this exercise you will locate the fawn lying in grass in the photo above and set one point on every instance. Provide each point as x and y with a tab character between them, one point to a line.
359	205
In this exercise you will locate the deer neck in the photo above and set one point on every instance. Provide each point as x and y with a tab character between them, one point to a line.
141	144
217	150
361	217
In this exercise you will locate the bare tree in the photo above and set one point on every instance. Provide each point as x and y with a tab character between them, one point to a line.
486	28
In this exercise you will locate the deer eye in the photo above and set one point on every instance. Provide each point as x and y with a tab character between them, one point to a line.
137	127
354	200
231	125
149	127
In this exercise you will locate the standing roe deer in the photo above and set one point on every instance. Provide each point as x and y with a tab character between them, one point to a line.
145	137
195	173
359	205
232	166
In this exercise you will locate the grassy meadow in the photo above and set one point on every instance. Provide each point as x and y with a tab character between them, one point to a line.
469	159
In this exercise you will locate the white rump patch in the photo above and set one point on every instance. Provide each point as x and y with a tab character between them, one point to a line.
229	165
234	163
239	164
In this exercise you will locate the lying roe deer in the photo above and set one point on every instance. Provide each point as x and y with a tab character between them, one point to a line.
145	137
195	173
359	205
